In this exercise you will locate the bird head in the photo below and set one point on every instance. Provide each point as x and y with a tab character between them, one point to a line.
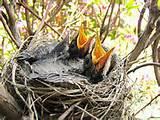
79	47
100	57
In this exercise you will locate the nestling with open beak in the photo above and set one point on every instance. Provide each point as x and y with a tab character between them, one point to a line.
79	46
98	62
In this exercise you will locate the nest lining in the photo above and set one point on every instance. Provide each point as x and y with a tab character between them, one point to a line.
72	98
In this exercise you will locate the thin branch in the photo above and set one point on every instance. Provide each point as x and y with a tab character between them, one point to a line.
83	110
33	8
12	22
103	21
159	54
57	9
144	65
68	111
8	30
28	20
109	21
43	7
8	105
155	59
30	10
118	15
154	37
49	6
140	19
147	104
144	38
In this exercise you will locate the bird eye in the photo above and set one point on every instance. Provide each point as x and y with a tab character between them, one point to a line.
87	60
72	45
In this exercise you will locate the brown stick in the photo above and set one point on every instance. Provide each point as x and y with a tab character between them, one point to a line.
8	106
103	21
68	111
30	32
57	9
30	10
159	54
143	40
49	6
12	22
155	59
147	104
109	21
140	20
144	65
8	30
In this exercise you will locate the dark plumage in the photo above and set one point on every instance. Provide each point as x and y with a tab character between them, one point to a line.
73	49
98	63
90	71
45	58
39	50
80	45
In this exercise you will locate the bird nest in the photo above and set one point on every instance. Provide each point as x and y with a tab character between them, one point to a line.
68	96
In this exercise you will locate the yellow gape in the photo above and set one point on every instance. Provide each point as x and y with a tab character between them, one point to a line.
99	55
82	38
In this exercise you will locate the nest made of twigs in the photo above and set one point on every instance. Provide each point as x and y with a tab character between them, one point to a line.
72	98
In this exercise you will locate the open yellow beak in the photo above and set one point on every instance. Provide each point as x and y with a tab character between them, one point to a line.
99	55
98	51
82	39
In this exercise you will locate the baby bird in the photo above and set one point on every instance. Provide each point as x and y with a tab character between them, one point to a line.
98	63
80	46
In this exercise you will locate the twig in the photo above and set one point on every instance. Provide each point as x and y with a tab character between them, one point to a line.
67	112
140	19
34	107
12	22
30	32
112	103
147	104
117	16
103	21
159	54
33	8
8	30
143	65
83	112
140	59
87	112
155	59
30	10
8	105
109	21
153	16
16	89
43	7
49	6
57	9
153	38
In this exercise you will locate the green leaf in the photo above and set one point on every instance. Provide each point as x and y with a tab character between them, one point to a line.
95	2
119	1
0	2
158	4
130	3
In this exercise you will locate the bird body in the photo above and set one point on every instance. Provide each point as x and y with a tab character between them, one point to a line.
43	49
80	45
51	66
47	58
99	62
